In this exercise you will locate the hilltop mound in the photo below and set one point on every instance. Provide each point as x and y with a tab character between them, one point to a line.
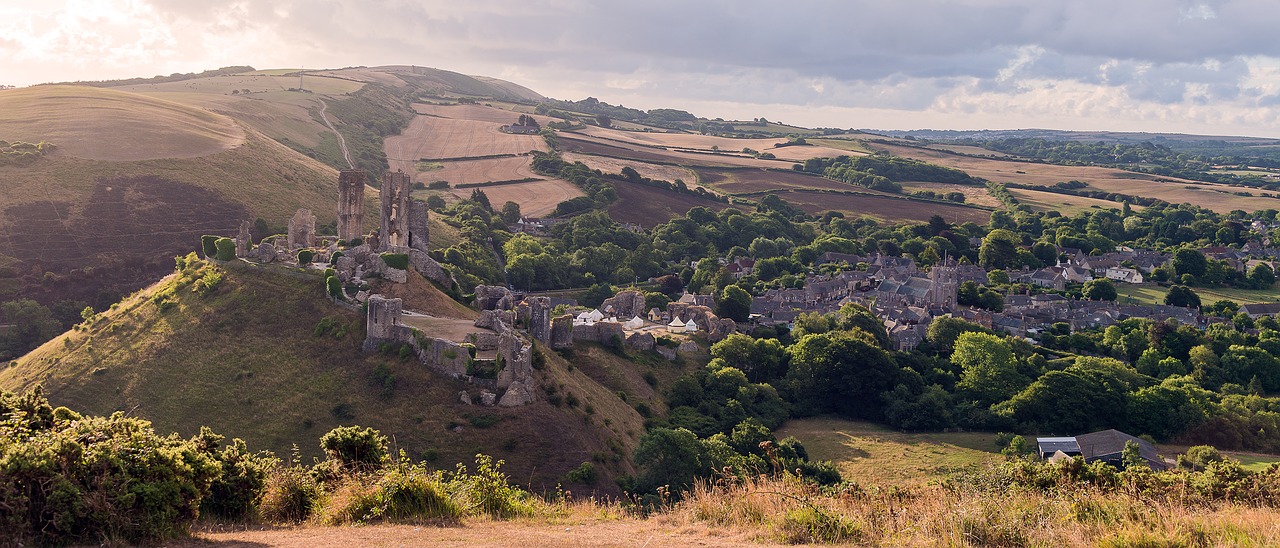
245	359
105	124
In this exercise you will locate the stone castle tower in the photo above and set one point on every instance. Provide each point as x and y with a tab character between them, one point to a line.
351	204
943	284
395	210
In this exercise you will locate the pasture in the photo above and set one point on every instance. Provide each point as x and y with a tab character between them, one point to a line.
478	171
1154	294
106	124
536	198
708	143
651	171
1219	198
975	195
882	207
432	138
1066	204
754	181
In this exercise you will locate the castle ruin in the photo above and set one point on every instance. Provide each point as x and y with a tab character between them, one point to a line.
351	204
302	229
394	195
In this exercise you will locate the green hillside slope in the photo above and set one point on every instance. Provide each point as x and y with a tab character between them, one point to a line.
244	359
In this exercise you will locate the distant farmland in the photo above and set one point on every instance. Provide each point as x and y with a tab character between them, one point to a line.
648	206
1219	198
882	207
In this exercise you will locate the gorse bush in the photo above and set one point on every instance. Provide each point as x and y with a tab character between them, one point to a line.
226	249
396	260
355	447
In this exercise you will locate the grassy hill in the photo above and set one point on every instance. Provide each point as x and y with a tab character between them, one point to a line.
245	360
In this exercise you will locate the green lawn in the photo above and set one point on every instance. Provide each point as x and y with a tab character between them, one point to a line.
874	455
1152	294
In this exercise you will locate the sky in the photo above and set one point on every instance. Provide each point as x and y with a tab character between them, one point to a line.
1197	66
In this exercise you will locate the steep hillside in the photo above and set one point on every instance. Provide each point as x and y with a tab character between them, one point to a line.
246	360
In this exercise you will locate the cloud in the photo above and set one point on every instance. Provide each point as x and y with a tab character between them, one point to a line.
1003	63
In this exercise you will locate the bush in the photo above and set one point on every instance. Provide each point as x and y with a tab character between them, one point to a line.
398	493
355	447
237	491
333	259
85	480
334	286
396	260
305	256
209	244
290	496
226	249
489	490
1199	457
585	474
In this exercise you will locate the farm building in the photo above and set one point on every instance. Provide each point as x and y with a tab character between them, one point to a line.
1106	446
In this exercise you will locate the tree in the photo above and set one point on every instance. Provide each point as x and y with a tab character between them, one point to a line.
32	325
841	372
1100	289
478	196
734	303
604	121
511	212
1262	276
999	249
1190	261
671	457
1181	295
855	316
989	370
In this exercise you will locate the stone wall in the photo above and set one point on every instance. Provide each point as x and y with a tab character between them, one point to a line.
540	318
494	297
625	305
244	240
394	195
302	229
419	230
562	332
351	204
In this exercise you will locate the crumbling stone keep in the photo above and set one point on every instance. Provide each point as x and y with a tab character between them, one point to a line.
244	240
302	229
351	204
419	231
562	332
624	306
383	324
494	297
395	211
540	318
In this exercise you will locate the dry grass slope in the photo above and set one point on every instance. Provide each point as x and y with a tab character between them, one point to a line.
105	124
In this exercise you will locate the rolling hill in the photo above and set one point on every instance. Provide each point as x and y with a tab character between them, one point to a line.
250	359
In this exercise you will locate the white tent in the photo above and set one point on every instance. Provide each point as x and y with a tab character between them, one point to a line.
676	326
634	323
594	316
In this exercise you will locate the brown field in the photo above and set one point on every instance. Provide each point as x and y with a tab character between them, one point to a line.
476	171
970	150
1216	197
536	198
882	208
976	195
706	142
587	145
748	181
649	207
431	137
478	113
652	171
105	124
279	115
1064	203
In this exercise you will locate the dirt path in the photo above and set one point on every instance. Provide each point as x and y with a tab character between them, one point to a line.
628	533
342	141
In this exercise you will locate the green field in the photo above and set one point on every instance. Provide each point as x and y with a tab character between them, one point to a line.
1152	294
873	454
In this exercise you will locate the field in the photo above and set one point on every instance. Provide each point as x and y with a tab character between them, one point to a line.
572	142
648	206
478	171
975	195
536	198
883	208
651	171
754	181
1154	294
1064	203
435	138
1216	197
104	124
477	113
707	143
867	453
254	82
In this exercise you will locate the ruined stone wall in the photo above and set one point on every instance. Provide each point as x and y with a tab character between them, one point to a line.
351	204
383	323
624	305
394	195
244	240
494	297
540	318
562	332
419	231
302	229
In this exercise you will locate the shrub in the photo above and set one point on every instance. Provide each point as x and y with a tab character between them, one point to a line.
226	249
585	474
209	244
396	260
489	491
305	256
81	481
1198	457
355	447
334	286
237	491
333	259
398	493
290	496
